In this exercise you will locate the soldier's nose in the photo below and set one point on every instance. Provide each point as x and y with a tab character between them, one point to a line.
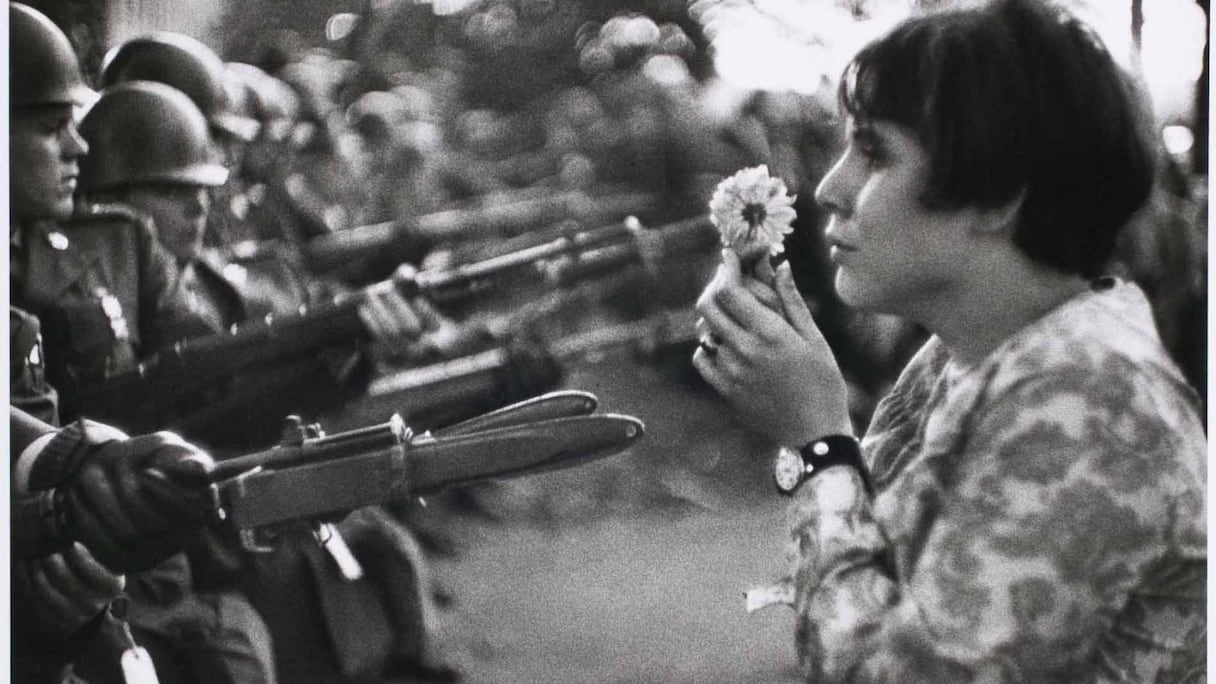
75	146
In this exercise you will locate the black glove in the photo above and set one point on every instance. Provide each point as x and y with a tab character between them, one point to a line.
132	500
55	595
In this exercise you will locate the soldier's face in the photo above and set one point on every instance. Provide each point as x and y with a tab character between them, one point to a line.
179	212
44	150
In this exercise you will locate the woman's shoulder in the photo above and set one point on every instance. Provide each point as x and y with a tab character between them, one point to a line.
1095	366
1106	333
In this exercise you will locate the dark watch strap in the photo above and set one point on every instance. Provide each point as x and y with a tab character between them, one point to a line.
836	450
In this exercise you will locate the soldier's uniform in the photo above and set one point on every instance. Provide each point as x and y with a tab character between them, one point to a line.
107	294
209	289
28	389
105	291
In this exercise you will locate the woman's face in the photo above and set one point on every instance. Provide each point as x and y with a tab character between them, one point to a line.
892	254
179	212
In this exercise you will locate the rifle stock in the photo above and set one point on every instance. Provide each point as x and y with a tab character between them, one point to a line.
137	397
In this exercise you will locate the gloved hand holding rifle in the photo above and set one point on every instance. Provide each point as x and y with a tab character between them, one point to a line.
129	500
126	499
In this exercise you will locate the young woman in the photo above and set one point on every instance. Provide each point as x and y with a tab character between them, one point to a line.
1028	502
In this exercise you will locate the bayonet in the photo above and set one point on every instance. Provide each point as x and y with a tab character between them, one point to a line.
314	478
401	465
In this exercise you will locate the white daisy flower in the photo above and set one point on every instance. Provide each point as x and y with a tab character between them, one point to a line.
753	213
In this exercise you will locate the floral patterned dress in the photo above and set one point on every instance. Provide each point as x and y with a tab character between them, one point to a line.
1039	516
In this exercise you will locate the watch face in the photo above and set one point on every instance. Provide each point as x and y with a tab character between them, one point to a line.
788	470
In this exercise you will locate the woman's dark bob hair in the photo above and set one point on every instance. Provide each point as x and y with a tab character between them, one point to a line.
1013	96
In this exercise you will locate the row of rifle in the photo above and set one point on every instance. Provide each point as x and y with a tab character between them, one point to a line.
561	260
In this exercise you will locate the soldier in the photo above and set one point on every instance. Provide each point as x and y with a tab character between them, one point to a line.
169	182
323	182
188	65
96	279
105	292
43	141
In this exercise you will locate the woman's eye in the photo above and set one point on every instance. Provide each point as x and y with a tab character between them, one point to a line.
864	141
872	153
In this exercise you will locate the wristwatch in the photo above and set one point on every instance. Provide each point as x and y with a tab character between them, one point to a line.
795	467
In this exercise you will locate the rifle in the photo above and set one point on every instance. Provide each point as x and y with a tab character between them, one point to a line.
429	390
493	216
192	364
311	477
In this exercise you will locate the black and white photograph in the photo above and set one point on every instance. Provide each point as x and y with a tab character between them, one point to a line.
608	341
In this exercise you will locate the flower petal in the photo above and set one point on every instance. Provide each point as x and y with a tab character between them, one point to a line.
752	193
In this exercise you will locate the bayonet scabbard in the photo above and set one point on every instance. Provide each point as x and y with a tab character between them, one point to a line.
316	490
287	488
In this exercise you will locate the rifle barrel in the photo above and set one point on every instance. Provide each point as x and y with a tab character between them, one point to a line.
510	217
669	327
194	363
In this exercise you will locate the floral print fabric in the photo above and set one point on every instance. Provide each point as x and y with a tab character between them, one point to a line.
1039	516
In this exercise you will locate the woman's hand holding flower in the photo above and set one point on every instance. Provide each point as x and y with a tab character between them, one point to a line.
777	371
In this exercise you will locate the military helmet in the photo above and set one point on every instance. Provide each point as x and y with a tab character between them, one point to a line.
273	103
184	63
43	68
147	132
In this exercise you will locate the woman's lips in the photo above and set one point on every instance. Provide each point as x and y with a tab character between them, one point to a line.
839	250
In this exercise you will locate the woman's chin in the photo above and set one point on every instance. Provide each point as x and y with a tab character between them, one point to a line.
854	294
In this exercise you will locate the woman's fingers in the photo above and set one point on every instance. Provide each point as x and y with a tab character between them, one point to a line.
764	294
796	310
719	327
716	374
744	311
